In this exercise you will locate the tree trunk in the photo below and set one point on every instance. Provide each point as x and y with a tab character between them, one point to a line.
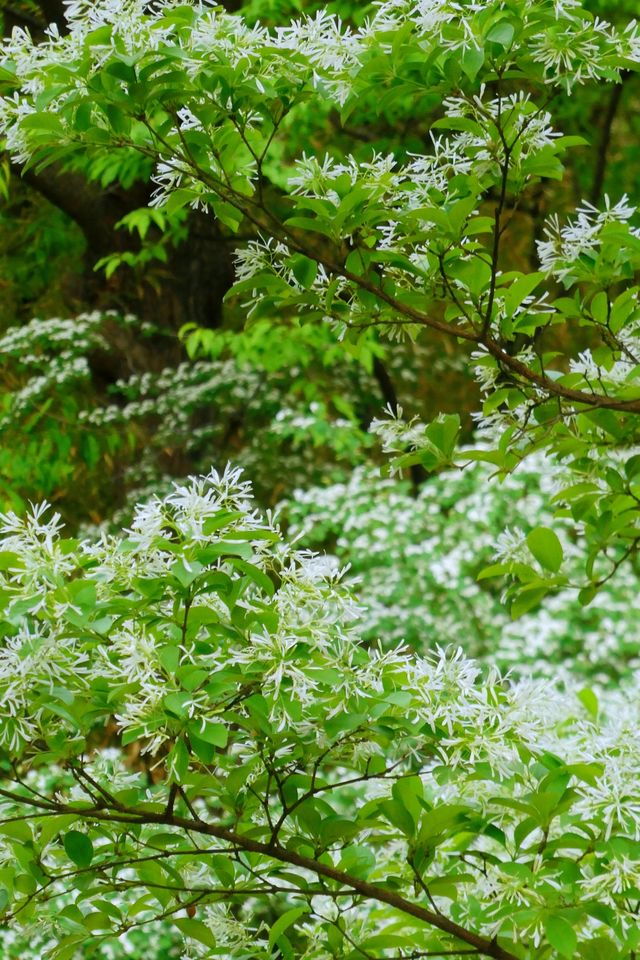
189	288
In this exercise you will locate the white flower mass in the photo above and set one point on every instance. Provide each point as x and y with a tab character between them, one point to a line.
423	742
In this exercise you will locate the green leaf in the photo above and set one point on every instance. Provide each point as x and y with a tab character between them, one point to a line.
590	701
599	949
409	791
519	290
546	548
304	270
561	935
169	657
178	760
210	731
284	922
11	561
185	573
79	848
196	930
256	575
222	519
397	814
17	830
502	33
175	703
357	861
52	826
472	61
527	600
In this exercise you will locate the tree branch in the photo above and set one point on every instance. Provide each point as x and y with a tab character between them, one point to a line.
371	891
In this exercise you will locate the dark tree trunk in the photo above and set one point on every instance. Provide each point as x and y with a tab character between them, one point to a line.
199	271
188	288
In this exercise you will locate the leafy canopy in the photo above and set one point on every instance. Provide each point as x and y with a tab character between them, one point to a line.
406	243
373	800
294	791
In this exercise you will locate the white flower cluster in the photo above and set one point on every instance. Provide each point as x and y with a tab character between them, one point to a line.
411	186
30	341
529	128
536	778
402	208
34	540
616	374
169	176
317	49
174	393
573	49
580	239
50	354
416	560
260	255
397	435
309	604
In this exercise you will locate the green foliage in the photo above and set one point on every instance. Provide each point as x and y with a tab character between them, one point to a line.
267	395
45	376
309	793
238	763
154	243
402	242
39	254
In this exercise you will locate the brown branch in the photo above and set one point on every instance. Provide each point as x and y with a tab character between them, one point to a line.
278	229
371	891
262	218
486	947
596	400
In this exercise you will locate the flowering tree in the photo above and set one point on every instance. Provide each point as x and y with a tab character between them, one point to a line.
284	398
401	242
286	790
295	793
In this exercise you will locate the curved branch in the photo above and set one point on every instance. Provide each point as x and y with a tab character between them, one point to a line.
256	214
371	891
262	218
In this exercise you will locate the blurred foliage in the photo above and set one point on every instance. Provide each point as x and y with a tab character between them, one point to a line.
40	256
418	562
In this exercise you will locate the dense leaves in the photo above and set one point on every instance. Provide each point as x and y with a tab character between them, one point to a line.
394	240
369	798
204	733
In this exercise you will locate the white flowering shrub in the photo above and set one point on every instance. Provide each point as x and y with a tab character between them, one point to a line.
271	396
46	382
44	354
281	387
418	560
409	243
284	787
